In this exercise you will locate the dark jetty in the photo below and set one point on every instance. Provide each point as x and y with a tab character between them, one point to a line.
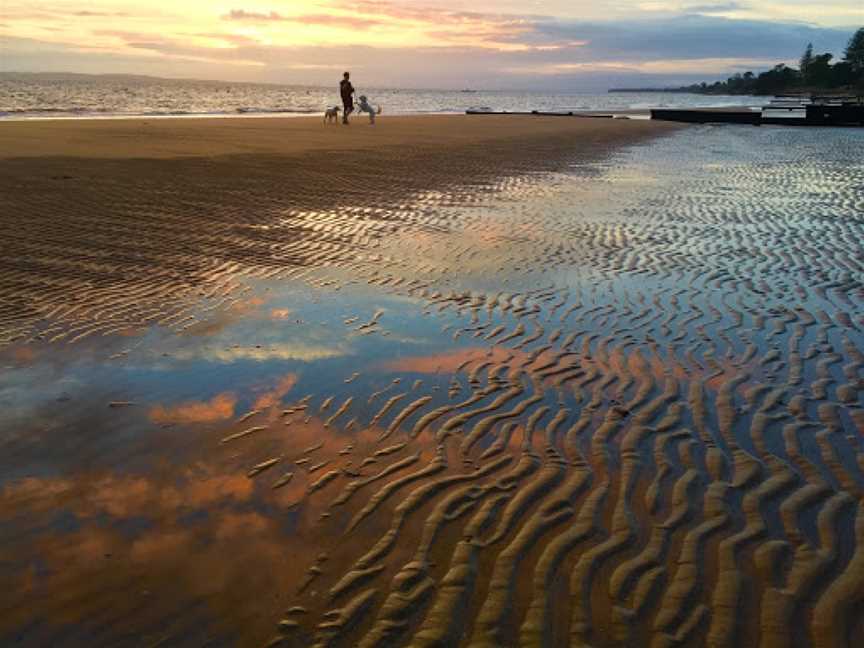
784	111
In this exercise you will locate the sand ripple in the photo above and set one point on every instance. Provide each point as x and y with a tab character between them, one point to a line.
662	444
656	441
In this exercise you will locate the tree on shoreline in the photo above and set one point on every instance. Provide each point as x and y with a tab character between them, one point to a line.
806	60
819	73
816	73
854	55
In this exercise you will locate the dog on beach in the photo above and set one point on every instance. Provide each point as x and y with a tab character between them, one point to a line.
331	115
365	107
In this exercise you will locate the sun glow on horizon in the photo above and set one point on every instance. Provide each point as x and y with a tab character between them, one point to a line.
306	23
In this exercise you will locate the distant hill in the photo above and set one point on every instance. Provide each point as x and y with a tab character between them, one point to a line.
116	78
670	90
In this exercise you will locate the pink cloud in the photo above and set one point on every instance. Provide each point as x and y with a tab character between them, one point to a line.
327	20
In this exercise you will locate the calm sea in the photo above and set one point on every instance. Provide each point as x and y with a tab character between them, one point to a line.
36	96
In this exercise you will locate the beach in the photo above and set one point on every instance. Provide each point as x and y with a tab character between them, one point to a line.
441	381
84	185
169	138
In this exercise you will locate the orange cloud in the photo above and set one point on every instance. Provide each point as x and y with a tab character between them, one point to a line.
157	546
329	20
23	355
450	362
72	576
220	408
273	397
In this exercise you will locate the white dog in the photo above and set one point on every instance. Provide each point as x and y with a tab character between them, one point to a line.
331	115
364	106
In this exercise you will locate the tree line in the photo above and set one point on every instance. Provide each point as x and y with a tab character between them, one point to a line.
815	72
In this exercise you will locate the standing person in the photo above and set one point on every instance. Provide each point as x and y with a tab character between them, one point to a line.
347	92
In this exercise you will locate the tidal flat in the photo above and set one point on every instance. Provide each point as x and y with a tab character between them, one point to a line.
527	390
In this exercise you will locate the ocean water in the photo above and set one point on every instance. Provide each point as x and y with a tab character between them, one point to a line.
36	96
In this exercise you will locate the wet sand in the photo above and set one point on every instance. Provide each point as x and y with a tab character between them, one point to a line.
169	138
123	222
589	383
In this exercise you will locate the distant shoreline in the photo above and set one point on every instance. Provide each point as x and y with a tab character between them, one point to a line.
122	98
687	91
835	92
670	91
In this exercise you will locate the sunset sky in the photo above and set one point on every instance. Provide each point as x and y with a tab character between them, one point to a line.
561	44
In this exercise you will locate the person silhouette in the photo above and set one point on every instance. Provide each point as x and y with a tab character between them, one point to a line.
347	92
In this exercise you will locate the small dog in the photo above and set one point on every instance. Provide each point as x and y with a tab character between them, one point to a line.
331	115
364	106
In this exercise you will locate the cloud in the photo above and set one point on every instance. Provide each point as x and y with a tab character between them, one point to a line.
99	14
450	362
423	46
312	20
327	20
220	408
687	37
240	14
234	39
422	13
275	395
720	7
277	351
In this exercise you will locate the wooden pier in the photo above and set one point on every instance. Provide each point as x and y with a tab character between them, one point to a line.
816	111
783	111
700	116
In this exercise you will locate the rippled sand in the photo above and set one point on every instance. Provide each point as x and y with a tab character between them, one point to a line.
531	391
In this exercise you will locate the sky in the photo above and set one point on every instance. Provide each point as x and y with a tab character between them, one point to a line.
503	44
